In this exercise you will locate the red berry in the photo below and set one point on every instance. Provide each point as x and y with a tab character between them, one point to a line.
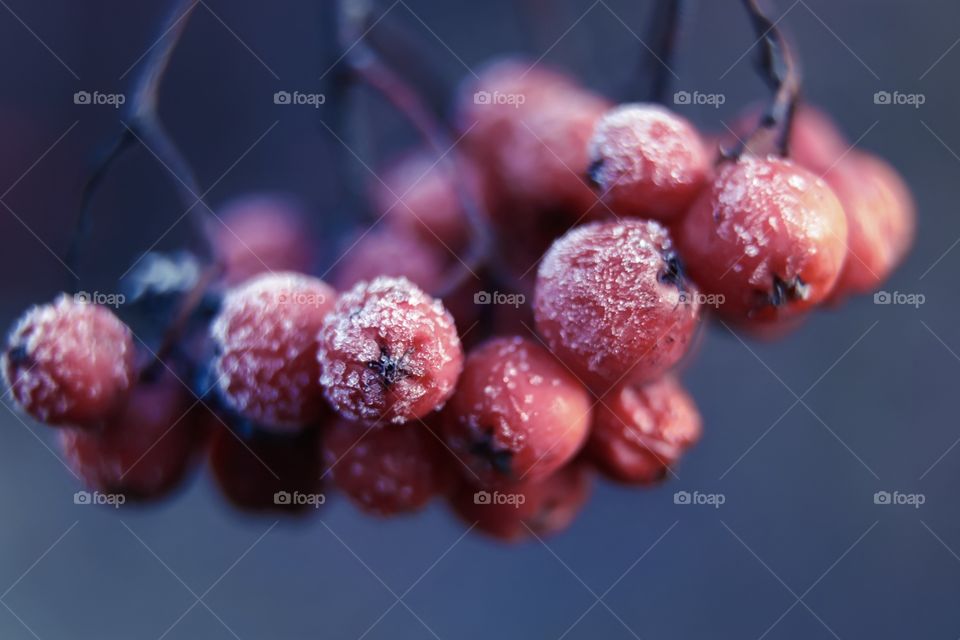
647	161
880	217
388	353
387	469
69	362
258	233
145	449
394	252
768	236
419	194
612	303
544	507
257	471
640	431
517	414
266	342
527	128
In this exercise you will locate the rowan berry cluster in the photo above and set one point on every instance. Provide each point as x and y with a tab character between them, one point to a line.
616	230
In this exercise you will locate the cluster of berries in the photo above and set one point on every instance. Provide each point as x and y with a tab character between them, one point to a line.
621	225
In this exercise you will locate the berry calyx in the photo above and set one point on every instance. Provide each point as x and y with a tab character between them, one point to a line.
647	161
768	236
387	469
518	414
638	432
266	349
388	353
612	302
69	362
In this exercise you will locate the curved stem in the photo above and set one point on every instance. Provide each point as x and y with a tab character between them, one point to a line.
366	65
777	66
663	35
142	125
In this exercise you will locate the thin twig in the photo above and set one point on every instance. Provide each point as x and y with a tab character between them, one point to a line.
142	124
777	66
364	61
663	34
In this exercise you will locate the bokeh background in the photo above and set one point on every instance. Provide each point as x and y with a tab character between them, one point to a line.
800	434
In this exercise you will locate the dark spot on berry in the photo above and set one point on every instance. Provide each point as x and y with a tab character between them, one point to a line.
18	356
786	291
390	369
672	271
593	173
499	458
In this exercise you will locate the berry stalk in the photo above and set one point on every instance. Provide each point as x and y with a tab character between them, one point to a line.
777	66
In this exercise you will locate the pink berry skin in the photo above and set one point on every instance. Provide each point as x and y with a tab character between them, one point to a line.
419	195
266	349
388	353
387	469
640	430
517	415
144	450
768	236
612	303
540	508
69	362
394	252
648	162
881	218
261	232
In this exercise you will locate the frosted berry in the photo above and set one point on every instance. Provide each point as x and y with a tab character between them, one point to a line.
258	233
69	362
612	302
880	217
518	414
387	469
419	194
388	352
769	236
257	471
266	349
647	161
543	507
640	431
144	450
395	252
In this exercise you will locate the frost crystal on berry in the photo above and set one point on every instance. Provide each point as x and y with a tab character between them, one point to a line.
388	352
